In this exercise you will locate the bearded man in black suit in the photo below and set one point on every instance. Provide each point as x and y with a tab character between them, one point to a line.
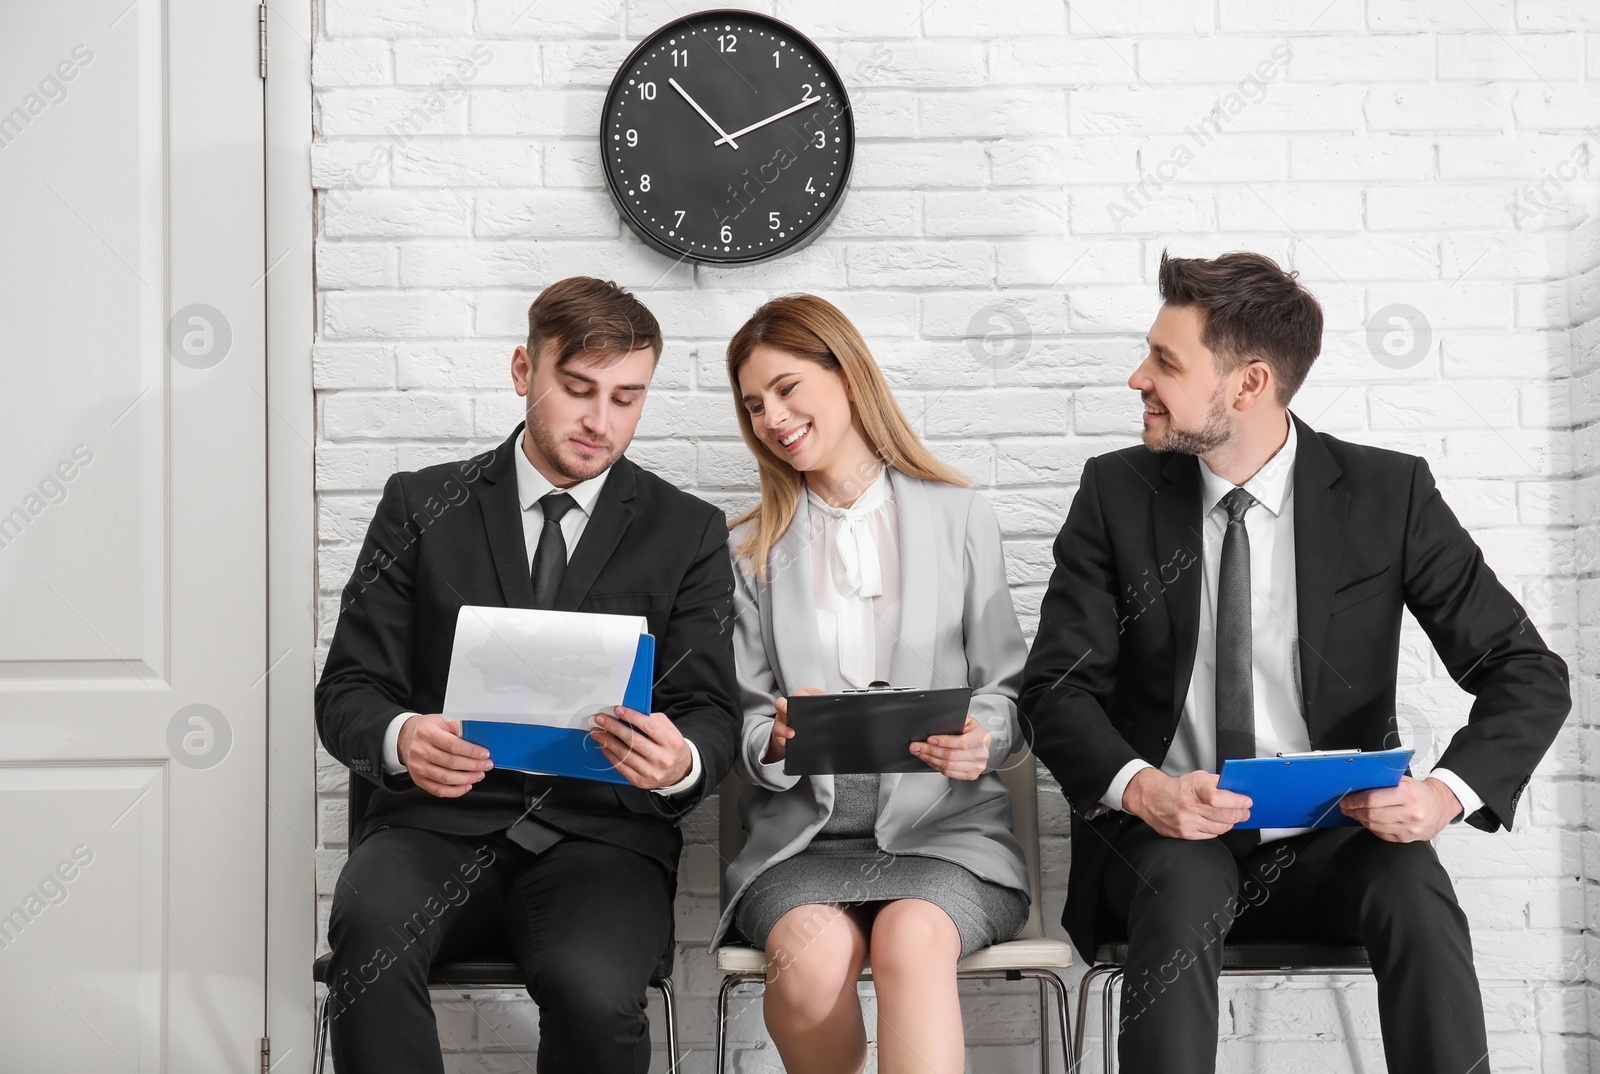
1234	588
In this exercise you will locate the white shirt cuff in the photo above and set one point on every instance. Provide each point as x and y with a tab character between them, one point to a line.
391	744
1112	799
687	782
1470	802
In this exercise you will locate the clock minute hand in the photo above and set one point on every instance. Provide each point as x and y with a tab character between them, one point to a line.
770	119
726	137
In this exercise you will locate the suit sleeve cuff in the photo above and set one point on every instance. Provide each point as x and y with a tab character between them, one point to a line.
773	772
391	744
1112	799
689	782
1470	802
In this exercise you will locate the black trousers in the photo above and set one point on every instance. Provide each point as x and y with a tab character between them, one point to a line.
1180	898
587	922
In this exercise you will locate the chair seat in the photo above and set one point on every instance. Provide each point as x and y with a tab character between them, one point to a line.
1018	955
733	958
461	973
1011	955
1303	957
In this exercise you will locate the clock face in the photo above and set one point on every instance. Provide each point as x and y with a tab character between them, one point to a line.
727	138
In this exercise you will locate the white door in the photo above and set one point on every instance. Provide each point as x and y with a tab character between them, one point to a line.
132	537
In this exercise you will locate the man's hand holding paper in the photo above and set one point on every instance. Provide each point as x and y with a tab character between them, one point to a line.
1415	811
648	749
439	760
1191	806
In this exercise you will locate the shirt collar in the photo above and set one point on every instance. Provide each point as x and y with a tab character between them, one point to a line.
875	496
532	485
1269	485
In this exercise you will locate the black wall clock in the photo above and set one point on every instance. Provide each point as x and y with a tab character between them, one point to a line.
727	137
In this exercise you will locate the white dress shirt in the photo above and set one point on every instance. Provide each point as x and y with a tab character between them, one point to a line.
531	487
1280	724
855	581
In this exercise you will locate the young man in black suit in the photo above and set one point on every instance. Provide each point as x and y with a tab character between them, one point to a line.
1234	588
573	878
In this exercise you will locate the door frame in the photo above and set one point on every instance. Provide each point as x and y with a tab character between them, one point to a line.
290	837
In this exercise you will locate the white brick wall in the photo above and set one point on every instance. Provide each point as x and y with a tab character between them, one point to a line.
1437	155
1583	297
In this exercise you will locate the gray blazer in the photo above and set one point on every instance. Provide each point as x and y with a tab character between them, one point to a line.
957	628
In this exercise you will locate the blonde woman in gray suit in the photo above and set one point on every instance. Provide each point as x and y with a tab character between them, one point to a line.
866	560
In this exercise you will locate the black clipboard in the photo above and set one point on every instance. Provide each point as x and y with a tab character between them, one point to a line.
869	730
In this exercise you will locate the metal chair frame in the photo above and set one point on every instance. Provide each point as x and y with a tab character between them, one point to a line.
1050	985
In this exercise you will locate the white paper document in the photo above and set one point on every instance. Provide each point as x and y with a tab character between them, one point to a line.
555	669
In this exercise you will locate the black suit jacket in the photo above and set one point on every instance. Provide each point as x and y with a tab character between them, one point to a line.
451	535
1110	667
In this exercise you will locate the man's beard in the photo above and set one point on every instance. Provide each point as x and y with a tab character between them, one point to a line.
550	447
1210	436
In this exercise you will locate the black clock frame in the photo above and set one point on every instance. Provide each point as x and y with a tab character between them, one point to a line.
804	237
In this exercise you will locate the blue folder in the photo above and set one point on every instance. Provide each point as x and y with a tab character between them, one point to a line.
563	751
1302	790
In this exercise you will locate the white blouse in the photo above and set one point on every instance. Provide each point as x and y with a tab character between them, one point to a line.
855	583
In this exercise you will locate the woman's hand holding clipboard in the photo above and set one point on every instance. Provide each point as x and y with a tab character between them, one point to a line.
777	745
963	756
880	730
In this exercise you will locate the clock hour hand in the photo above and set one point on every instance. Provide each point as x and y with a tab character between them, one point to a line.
757	126
726	137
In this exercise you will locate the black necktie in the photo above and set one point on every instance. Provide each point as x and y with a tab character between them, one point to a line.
1235	698
550	558
549	564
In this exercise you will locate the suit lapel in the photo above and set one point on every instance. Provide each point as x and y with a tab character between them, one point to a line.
794	624
1180	544
1320	523
613	512
502	522
911	661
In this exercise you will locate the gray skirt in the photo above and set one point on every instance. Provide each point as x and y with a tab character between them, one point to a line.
843	865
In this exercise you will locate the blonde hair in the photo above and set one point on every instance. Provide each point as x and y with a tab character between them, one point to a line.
813	328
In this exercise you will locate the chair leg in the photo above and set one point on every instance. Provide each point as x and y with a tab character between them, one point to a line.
1109	1027
729	983
1076	1062
324	1016
1050	984
1080	1043
674	1058
1044	1027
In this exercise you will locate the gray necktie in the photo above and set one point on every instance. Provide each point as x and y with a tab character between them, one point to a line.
549	566
1235	696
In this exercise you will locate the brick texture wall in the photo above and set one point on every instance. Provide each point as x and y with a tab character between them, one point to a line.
1426	165
1584	309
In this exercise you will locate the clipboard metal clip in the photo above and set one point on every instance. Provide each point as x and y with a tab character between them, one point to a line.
1319	753
878	686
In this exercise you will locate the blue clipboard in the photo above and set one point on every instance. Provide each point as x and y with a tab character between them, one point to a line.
1302	790
564	751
